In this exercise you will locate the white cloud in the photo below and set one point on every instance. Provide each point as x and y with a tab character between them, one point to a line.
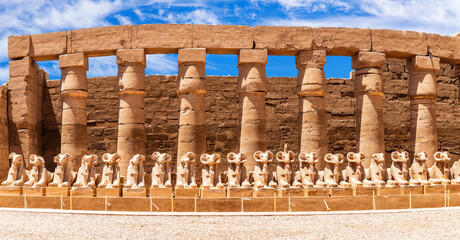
161	64
4	74
102	66
123	20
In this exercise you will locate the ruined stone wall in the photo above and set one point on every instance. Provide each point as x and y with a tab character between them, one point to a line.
161	105
4	148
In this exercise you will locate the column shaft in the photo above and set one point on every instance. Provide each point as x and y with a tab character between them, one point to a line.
131	91
252	88
423	93
74	91
368	85
311	89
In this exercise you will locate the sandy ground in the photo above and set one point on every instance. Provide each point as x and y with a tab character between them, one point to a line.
430	224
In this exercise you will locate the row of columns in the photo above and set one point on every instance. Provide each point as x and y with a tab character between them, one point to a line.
252	89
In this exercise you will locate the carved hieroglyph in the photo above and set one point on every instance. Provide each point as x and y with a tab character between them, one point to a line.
439	172
16	174
455	172
307	174
210	171
185	177
263	173
86	176
236	172
135	173
375	175
332	174
38	176
418	171
398	173
63	175
111	171
354	172
284	175
161	172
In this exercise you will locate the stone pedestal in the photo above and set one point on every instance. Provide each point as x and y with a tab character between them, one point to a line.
366	191
339	191
191	90
82	192
213	193
160	192
187	192
10	191
131	91
108	192
434	189
422	94
74	91
368	85
265	192
238	192
252	88
454	188
34	191
311	89
135	192
57	191
316	191
290	192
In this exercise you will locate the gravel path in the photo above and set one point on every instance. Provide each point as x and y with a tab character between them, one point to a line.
432	224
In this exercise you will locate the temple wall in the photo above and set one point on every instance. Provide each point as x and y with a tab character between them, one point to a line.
4	152
161	114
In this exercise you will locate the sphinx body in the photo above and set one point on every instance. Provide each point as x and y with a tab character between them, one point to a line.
38	176
16	173
418	171
398	173
161	172
307	175
63	175
111	171
236	172
439	172
375	175
354	172
210	171
455	172
284	173
185	177
135	172
86	176
262	174
332	174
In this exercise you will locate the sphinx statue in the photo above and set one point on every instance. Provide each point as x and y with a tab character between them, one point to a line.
210	172
38	176
16	173
262	173
418	171
236	172
135	172
86	176
284	175
332	175
354	171
398	172
111	171
185	177
455	172
439	172
375	175
161	172
307	175
63	175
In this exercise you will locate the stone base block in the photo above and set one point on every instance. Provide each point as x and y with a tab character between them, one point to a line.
135	192
10	190
412	189
240	192
187	192
57	191
454	188
34	191
365	191
82	192
339	191
265	192
432	189
108	192
213	193
316	191
290	192
160	192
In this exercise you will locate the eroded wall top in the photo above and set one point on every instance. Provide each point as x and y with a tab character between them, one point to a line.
228	39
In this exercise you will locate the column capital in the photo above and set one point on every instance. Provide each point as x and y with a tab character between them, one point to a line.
131	56
368	60
311	59
248	56
191	55
73	60
423	63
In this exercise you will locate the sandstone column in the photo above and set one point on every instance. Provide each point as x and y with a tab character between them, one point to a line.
74	90
423	93
191	90
252	87
368	85
311	89
131	92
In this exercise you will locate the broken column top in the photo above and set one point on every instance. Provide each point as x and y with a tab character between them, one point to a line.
73	60
253	56
191	55
131	56
423	63
368	60
312	59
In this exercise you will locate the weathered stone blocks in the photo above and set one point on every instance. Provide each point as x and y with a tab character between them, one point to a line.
341	41
283	40
399	44
222	39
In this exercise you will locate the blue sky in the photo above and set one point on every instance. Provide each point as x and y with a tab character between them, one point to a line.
20	17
